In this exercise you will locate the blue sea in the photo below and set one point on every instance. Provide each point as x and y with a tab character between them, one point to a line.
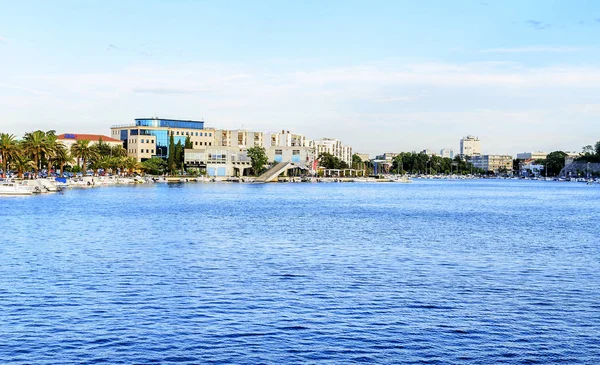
434	272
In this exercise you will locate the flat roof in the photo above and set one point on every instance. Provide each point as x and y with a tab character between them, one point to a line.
172	120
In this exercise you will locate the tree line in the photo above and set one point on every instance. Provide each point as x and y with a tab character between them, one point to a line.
39	150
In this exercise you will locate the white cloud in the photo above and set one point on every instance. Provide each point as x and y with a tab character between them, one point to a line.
374	107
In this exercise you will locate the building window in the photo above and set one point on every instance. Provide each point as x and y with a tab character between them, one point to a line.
210	134
196	143
153	151
278	152
196	134
296	152
147	151
210	143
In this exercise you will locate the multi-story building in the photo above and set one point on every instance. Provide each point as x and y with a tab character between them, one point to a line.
447	153
149	137
285	139
69	139
333	147
470	146
428	152
239	138
229	155
495	163
532	155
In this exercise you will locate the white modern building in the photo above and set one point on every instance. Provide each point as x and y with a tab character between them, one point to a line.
447	153
470	146
285	139
333	147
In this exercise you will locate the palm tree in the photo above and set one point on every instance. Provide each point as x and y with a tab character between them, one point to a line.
131	164
21	162
35	143
83	150
62	157
103	147
8	150
51	149
118	151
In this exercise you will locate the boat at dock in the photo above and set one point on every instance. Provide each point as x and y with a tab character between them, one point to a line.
16	188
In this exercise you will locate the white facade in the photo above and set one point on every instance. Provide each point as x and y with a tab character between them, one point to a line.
333	147
284	139
470	146
447	153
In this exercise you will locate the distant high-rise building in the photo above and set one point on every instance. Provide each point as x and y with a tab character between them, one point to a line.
447	153
470	146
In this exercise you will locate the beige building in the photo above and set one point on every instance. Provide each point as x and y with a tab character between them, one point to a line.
363	156
532	155
239	138
470	146
495	163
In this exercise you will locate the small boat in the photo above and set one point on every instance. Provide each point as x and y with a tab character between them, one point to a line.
13	188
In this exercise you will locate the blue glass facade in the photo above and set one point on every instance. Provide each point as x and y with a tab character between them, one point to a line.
162	136
169	123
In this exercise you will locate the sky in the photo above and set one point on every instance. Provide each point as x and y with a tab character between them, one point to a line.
382	76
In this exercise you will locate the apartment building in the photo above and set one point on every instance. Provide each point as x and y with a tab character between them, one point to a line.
495	163
333	147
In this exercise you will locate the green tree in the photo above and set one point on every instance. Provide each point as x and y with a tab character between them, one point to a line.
179	151
188	143
84	151
328	161
130	163
597	148
35	144
154	166
103	148
9	149
60	156
555	161
118	151
258	158
171	166
22	163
